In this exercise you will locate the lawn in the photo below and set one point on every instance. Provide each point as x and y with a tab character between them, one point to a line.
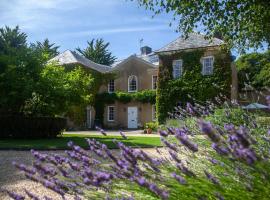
61	142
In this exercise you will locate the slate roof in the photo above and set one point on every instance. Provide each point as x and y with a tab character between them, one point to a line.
71	57
120	63
194	40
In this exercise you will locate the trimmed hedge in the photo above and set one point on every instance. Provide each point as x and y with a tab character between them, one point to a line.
31	127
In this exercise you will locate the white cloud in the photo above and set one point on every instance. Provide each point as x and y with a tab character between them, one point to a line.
114	30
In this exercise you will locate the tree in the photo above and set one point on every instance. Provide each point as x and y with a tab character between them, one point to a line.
19	70
58	90
98	52
242	23
254	69
46	49
29	87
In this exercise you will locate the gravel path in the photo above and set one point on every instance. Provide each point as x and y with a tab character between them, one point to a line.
13	180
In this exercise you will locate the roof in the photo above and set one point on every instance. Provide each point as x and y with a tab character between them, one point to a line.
255	106
71	57
122	62
151	59
194	40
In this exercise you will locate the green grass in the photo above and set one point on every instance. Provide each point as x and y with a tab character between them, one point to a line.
61	142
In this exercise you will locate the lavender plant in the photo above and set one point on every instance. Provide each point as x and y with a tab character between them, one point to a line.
206	161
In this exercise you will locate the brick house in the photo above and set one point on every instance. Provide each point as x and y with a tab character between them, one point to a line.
138	73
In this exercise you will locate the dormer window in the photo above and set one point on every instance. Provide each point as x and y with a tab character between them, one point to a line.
177	68
208	65
111	86
132	84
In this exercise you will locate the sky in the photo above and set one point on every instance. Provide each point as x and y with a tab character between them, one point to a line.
71	23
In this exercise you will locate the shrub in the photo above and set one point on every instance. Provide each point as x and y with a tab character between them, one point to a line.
236	116
151	125
31	127
263	121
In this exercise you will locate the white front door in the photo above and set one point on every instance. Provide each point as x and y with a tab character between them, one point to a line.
132	117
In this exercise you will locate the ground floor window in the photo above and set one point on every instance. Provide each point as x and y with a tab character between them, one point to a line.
111	113
154	113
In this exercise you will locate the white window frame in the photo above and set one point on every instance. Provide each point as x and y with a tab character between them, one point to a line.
109	84
180	68
153	82
208	72
154	117
108	114
136	83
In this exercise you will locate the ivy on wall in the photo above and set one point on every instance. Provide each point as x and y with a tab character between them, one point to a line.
192	84
144	96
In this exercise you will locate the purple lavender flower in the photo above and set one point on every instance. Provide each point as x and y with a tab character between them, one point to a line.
15	196
101	131
31	195
123	135
169	145
220	149
208	129
163	133
211	177
180	179
183	138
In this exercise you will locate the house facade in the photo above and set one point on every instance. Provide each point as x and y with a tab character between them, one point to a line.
145	72
132	75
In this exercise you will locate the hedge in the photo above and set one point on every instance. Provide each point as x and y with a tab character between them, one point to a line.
31	127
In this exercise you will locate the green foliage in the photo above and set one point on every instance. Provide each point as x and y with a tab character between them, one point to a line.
254	69
263	121
144	96
60	90
19	71
45	49
243	24
236	116
192	84
97	51
151	125
29	87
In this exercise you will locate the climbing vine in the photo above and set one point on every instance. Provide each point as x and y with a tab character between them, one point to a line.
192	84
144	96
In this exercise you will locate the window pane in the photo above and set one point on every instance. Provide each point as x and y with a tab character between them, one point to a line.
111	113
132	83
208	66
111	86
177	68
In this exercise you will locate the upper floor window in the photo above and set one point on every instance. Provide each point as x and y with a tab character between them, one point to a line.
154	82
177	68
111	86
208	65
132	84
111	113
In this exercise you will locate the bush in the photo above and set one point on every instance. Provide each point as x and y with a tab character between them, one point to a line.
234	116
31	127
263	121
151	125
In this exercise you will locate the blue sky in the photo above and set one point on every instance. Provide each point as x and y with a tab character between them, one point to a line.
70	23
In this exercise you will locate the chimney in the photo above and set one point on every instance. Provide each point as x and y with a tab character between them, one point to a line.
146	50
